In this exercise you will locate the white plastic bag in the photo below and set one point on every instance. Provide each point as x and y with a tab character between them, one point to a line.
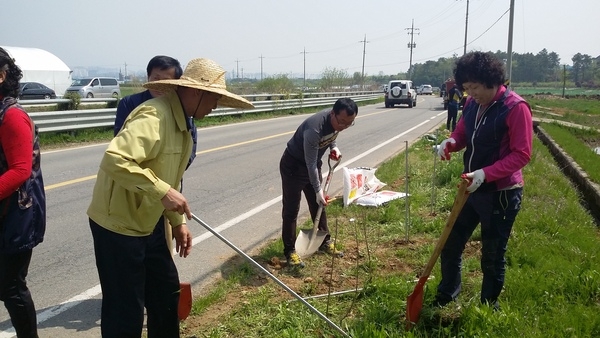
379	198
359	182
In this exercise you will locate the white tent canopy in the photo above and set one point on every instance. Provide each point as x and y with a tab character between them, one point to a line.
42	66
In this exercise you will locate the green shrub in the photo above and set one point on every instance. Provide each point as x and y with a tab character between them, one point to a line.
73	104
113	104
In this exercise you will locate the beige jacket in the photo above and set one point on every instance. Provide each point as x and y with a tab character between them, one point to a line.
146	158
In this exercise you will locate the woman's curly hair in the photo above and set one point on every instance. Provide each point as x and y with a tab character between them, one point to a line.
10	86
479	67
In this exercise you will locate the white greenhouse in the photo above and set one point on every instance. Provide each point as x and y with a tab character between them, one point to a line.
42	66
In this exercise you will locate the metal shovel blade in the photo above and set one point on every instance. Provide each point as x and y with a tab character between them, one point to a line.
308	241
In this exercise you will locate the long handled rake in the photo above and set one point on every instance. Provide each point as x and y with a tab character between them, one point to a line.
260	267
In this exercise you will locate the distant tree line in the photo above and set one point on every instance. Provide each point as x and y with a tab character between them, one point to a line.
543	67
527	69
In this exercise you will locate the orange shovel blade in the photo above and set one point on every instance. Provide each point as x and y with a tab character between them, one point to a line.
185	301
414	303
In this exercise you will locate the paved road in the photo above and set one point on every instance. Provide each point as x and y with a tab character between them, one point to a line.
233	185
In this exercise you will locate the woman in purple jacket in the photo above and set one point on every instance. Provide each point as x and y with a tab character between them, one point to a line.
496	131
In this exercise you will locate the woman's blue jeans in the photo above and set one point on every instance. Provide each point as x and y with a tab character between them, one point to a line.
496	212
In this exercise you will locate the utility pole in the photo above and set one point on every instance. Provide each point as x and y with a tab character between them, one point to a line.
304	52
510	40
261	67
125	69
242	73
564	80
411	45
237	74
362	79
466	26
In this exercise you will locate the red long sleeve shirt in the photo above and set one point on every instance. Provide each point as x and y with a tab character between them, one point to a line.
16	140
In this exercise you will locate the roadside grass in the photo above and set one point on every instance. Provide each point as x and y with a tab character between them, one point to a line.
579	105
555	90
130	90
581	111
74	138
552	282
579	144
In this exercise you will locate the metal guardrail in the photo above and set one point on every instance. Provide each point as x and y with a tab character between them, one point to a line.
69	120
44	102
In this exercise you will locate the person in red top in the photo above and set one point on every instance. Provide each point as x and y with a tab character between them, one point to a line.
496	131
22	200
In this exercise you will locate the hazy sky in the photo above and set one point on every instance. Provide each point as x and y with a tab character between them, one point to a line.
235	33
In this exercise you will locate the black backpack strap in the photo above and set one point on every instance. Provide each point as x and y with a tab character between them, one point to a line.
5	104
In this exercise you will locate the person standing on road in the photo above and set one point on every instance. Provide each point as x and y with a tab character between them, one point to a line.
22	200
138	181
496	129
300	169
454	97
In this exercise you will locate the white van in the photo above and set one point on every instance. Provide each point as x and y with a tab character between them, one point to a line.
95	87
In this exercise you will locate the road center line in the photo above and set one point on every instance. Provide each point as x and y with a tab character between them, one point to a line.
91	177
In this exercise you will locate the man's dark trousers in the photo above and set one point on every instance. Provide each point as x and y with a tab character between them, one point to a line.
136	272
294	181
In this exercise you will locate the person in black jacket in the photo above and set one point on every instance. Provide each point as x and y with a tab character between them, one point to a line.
300	169
454	97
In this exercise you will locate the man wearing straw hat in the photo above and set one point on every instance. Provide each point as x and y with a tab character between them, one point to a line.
138	181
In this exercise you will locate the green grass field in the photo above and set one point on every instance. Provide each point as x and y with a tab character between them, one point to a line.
556	91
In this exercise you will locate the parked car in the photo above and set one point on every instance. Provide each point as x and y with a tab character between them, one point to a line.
425	90
401	92
96	87
35	90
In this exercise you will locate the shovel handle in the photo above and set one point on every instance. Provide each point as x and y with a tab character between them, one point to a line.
459	202
330	174
326	189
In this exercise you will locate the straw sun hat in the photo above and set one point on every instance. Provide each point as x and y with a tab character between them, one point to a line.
206	75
